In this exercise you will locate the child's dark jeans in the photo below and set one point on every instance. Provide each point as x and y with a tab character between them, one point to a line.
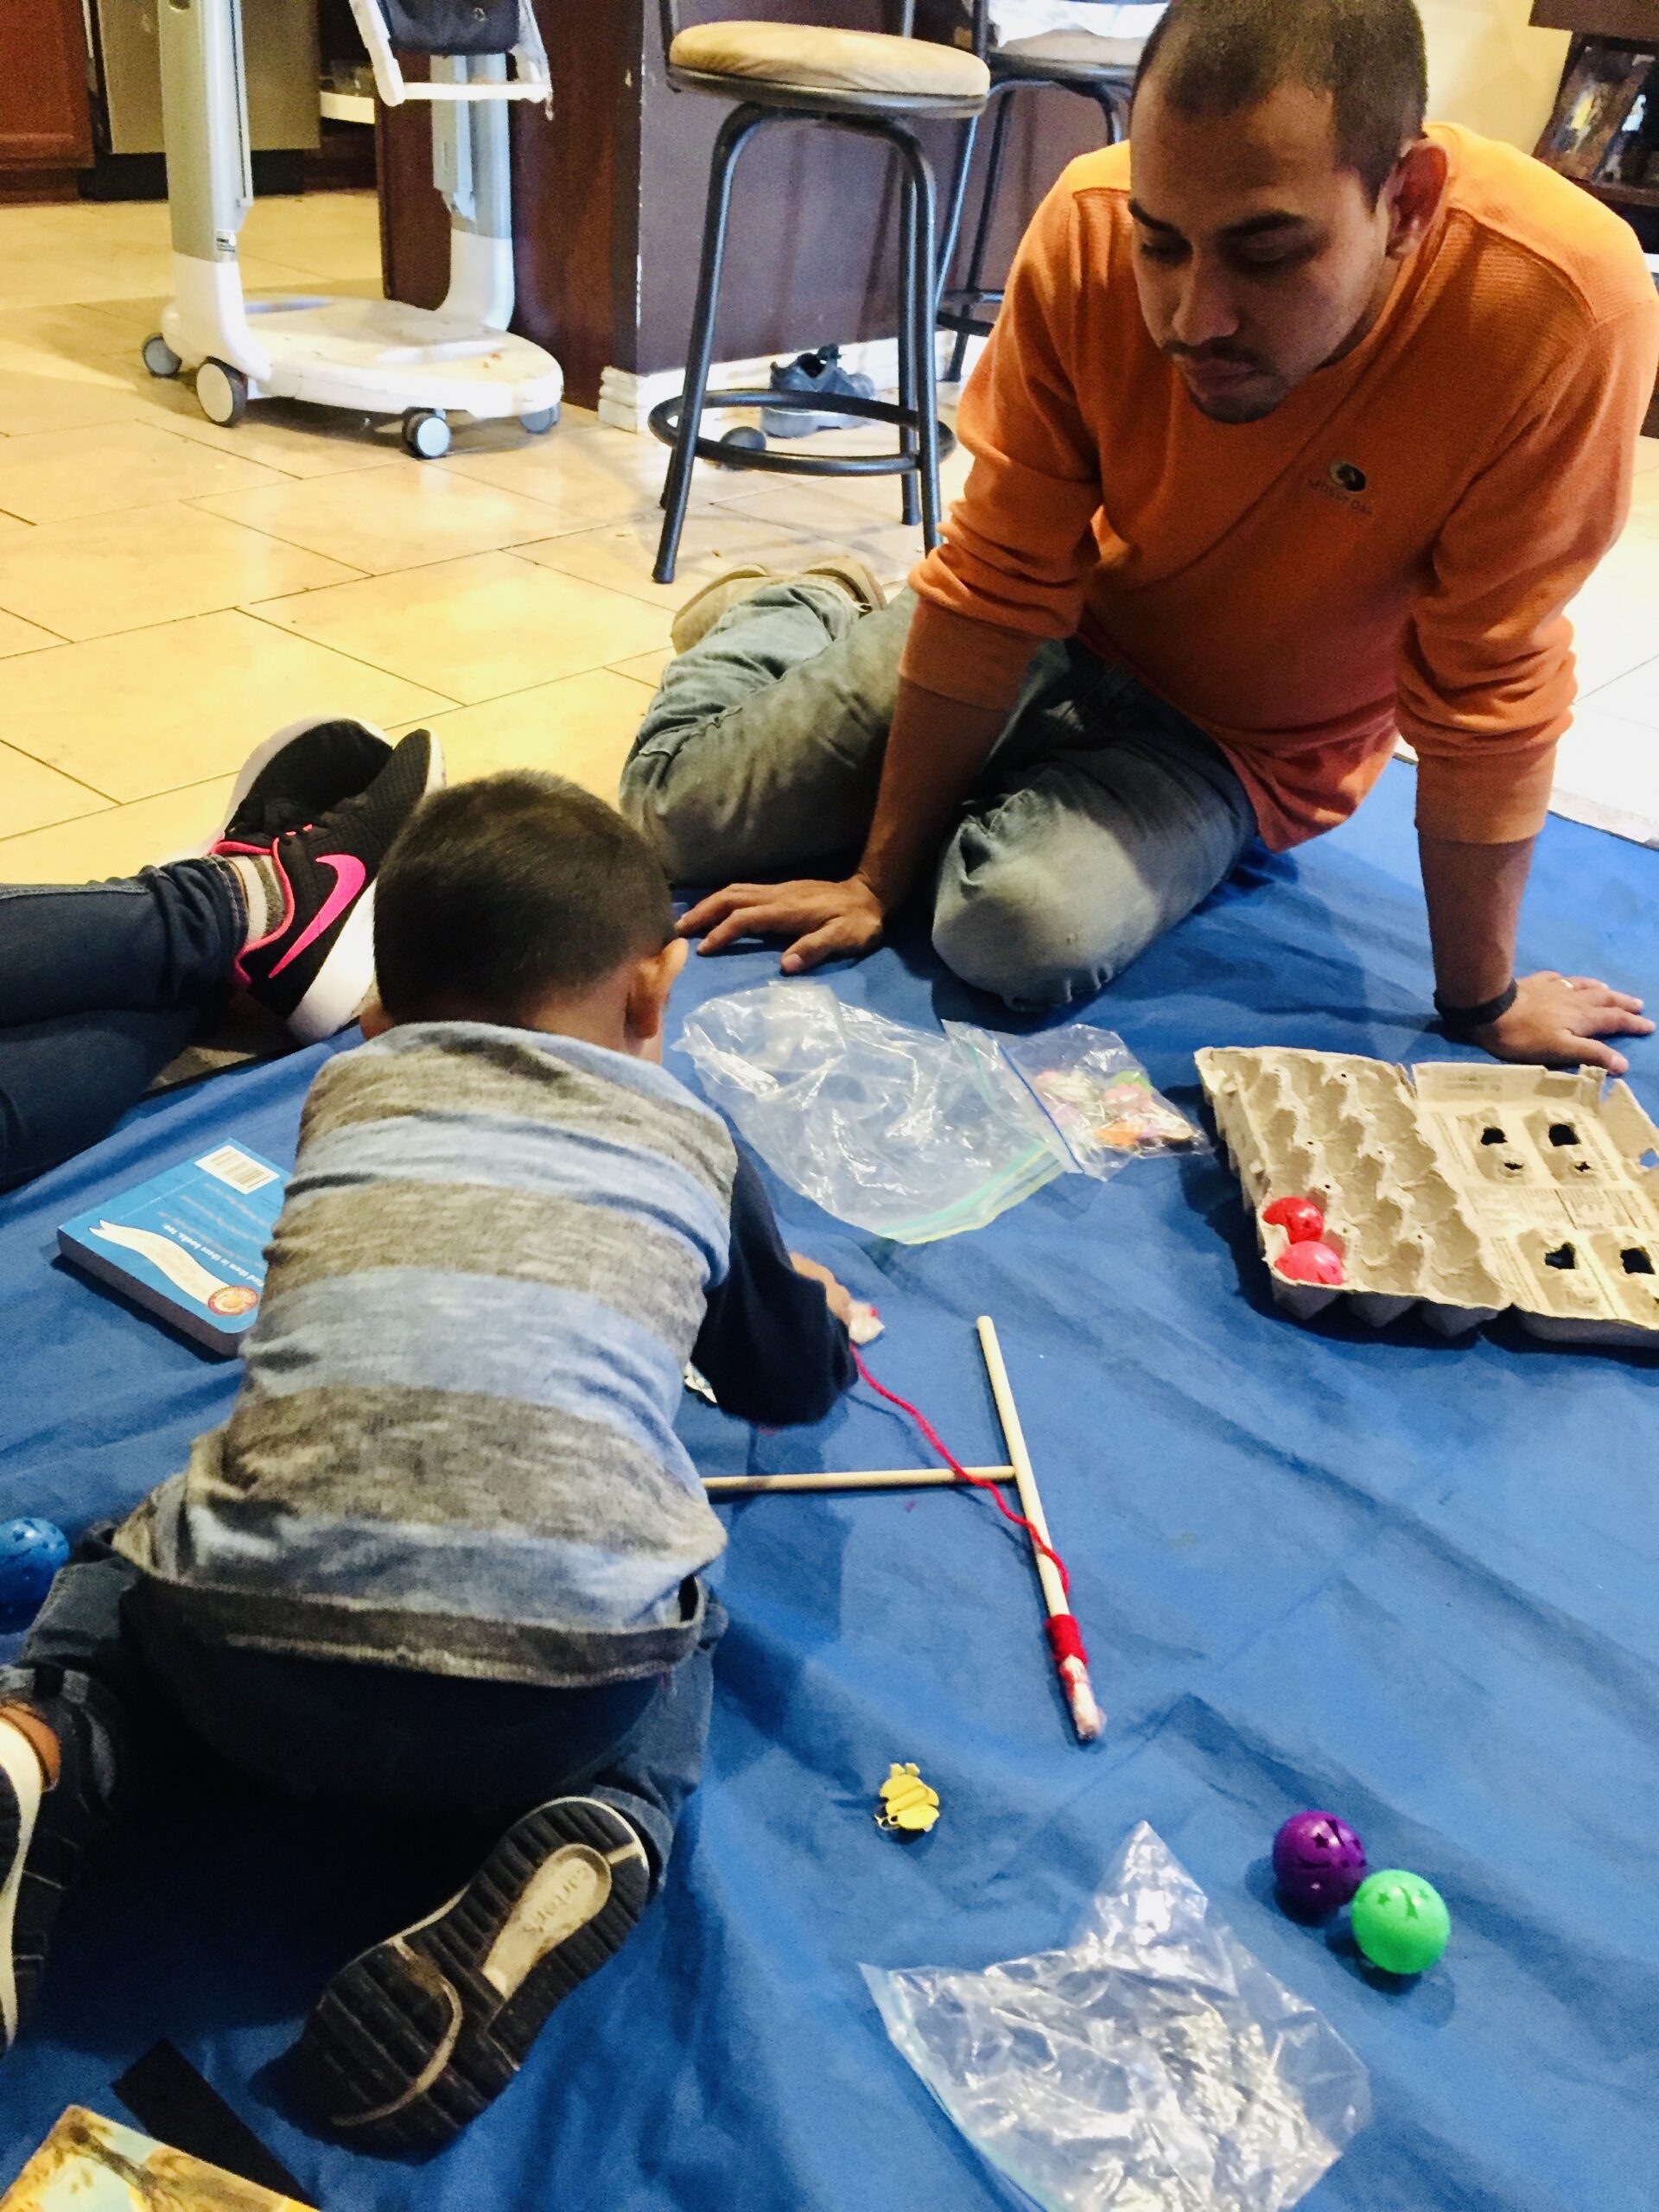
376	1736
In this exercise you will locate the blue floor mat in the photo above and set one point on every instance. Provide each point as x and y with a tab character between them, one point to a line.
1411	1579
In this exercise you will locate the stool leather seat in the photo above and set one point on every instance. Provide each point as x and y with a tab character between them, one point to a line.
808	58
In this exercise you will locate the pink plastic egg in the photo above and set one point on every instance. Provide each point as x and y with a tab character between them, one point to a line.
1310	1262
1300	1218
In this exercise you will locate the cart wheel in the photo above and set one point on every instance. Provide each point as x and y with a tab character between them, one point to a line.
426	435
160	359
222	392
543	419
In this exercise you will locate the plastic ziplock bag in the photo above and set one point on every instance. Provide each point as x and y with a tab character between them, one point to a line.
908	1134
1099	1097
1155	2066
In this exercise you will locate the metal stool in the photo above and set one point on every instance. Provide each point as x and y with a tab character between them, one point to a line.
876	87
1098	69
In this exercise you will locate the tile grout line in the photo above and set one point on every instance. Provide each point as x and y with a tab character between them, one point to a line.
357	659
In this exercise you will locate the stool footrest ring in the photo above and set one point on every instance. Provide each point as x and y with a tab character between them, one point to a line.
664	422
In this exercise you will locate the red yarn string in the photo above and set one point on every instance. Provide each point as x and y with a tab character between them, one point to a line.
981	1482
1066	1639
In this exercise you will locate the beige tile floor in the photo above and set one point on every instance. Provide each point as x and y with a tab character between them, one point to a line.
170	592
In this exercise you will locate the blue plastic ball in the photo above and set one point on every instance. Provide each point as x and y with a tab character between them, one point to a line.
31	1552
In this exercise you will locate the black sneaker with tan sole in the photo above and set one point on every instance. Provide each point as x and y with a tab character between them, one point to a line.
416	2037
315	969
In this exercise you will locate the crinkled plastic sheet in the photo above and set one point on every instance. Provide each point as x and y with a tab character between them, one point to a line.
898	1130
1154	2066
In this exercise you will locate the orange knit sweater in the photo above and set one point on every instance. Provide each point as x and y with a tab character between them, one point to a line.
1244	571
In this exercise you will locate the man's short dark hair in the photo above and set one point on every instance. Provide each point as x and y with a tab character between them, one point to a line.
503	894
1215	57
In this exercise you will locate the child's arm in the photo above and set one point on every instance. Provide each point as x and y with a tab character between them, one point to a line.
770	1347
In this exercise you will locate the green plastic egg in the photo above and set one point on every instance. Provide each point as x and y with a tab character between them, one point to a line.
1400	1922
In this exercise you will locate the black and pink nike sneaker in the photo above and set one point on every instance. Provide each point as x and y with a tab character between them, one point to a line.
315	969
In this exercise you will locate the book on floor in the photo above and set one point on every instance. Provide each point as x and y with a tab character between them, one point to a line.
189	1244
90	2165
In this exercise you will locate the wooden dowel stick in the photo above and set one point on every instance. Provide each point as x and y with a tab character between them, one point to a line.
1086	1716
871	1479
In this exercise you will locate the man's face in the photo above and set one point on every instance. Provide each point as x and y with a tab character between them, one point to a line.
1257	257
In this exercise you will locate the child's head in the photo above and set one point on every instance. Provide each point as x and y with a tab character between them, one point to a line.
523	899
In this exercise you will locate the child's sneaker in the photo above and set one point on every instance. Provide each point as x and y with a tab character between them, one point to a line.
412	2039
316	967
55	1776
298	773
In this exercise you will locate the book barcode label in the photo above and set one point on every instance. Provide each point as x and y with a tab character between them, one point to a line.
234	1168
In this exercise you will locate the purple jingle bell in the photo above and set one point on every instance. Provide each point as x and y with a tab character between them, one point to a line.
1317	1862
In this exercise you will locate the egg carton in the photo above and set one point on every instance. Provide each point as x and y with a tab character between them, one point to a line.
1460	1188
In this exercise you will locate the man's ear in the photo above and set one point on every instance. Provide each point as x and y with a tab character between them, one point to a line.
372	1018
648	993
1414	193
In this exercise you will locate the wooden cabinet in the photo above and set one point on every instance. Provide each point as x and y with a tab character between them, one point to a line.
45	114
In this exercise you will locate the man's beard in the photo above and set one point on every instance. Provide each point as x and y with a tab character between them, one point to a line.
1241	410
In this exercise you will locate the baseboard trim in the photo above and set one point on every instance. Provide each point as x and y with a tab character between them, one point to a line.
625	400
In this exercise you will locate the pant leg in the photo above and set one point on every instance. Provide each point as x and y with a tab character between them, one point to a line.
402	1742
763	747
1111	817
651	1773
156	943
79	1650
101	985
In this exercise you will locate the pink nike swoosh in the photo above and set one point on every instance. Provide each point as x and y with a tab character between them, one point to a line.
350	876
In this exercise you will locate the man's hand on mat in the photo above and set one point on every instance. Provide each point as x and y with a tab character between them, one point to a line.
823	921
840	1298
1561	1017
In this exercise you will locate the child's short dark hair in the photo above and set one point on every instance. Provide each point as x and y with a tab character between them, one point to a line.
501	894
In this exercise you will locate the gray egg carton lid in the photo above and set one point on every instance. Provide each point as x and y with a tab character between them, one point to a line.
1458	1187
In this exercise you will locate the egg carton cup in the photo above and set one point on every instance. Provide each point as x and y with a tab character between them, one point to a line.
1464	1189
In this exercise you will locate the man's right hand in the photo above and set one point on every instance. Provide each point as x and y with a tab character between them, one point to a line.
823	921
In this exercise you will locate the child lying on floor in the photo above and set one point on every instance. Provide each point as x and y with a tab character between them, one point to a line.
444	1556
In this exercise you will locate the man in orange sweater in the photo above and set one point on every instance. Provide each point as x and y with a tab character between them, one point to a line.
1301	429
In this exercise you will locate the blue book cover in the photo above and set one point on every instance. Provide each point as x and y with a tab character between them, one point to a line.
189	1244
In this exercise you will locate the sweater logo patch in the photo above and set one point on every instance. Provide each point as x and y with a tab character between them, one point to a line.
1344	483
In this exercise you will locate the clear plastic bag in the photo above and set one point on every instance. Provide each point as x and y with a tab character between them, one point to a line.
1155	2066
1099	1097
911	1135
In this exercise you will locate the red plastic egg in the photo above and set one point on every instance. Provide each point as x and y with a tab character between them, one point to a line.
1300	1218
1310	1262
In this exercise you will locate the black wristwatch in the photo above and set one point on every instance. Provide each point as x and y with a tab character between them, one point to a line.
1463	1021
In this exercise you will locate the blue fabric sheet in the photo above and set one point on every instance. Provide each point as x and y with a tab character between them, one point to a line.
1409	1580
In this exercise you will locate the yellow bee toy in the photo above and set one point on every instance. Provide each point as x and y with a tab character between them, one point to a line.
908	1806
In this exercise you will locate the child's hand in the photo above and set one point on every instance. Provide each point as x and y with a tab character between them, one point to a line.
840	1298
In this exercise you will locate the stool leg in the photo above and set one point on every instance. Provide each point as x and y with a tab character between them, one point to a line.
734	133
1111	106
957	201
920	305
971	294
909	437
